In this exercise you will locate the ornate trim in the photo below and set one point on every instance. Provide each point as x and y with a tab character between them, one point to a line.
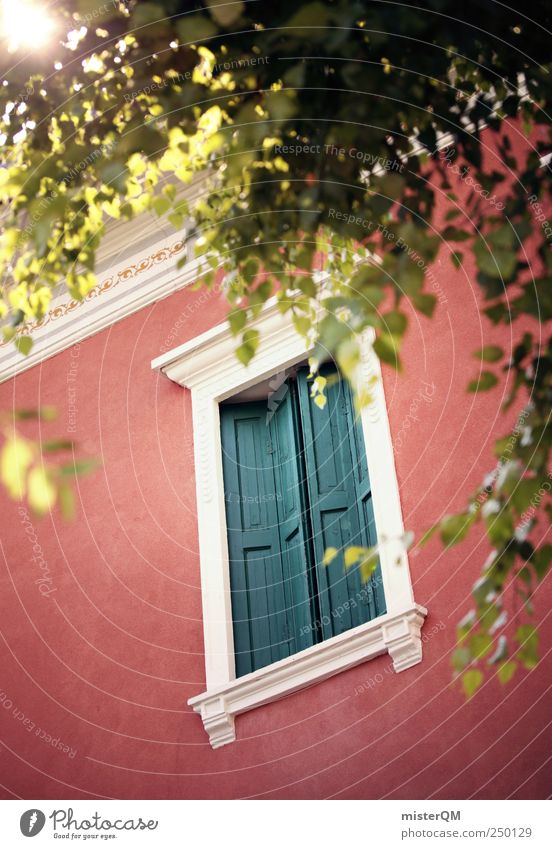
67	323
150	269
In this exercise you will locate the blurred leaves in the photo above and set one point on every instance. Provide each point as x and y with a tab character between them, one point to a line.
512	510
113	134
29	472
485	381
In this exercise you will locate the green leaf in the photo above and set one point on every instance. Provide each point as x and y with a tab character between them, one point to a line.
500	526
485	381
17	456
498	262
146	13
161	205
177	220
528	638
428	534
541	560
425	303
471	681
247	349
367	558
501	652
369	279
466	626
455	528
488	616
263	291
395	323
51	445
312	14
249	270
225	12
42	492
348	357
307	285
66	502
195	28
332	332
461	657
490	353
237	319
503	237
409	276
506	671
301	323
47	414
78	467
454	234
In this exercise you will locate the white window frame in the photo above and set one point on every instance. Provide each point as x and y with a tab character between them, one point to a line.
208	367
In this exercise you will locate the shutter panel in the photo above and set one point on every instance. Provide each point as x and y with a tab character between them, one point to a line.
340	503
374	588
293	522
269	576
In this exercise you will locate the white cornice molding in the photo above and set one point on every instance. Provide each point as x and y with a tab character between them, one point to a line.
119	294
398	634
208	363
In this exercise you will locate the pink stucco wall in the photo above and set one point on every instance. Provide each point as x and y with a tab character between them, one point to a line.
107	659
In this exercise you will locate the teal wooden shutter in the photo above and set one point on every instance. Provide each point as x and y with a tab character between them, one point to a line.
296	482
340	503
292	510
269	573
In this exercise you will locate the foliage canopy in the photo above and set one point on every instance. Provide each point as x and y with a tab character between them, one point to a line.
328	131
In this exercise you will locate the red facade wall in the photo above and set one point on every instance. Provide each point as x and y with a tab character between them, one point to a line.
106	659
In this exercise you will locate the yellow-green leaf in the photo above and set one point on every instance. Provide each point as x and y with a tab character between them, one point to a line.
224	12
42	492
66	502
506	671
24	344
471	681
17	456
353	554
490	353
329	555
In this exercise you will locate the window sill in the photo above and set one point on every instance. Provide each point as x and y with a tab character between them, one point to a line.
396	633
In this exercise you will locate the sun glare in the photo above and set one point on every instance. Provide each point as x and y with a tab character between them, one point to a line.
25	24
